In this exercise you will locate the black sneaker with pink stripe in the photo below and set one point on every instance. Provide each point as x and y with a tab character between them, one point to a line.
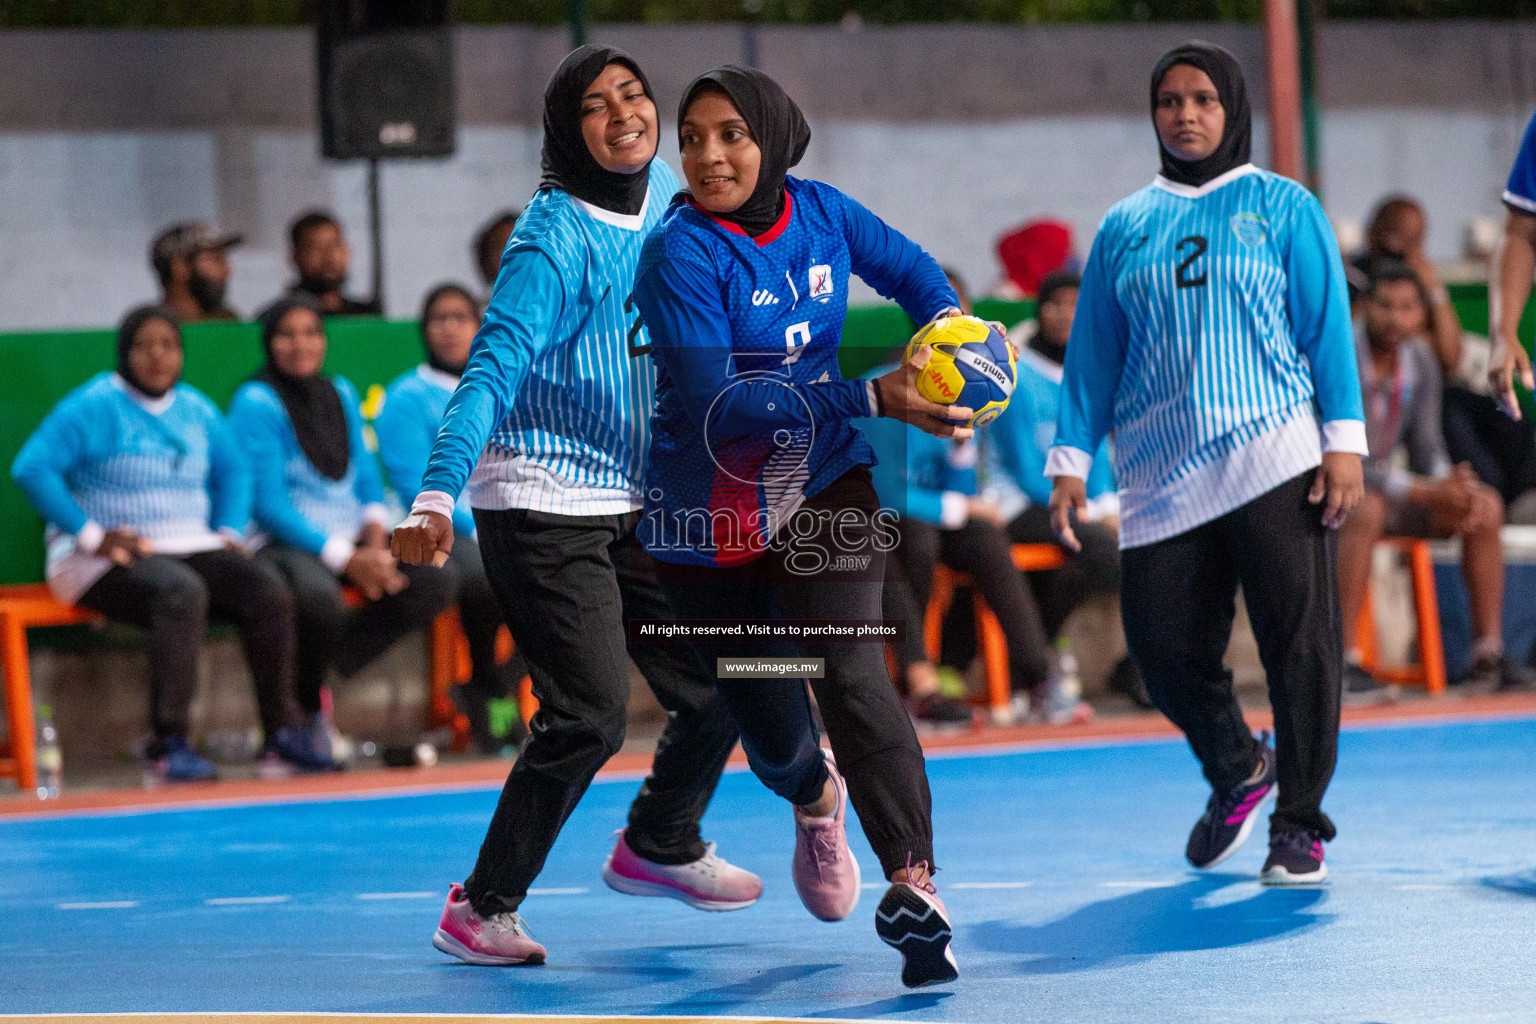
1229	816
1295	858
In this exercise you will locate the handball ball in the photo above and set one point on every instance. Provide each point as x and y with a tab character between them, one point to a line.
972	366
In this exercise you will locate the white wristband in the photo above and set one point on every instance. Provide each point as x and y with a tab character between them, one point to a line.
1345	436
954	510
376	512
338	551
1063	460
440	502
88	539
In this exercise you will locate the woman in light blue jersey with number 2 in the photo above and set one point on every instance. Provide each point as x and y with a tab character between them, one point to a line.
1212	337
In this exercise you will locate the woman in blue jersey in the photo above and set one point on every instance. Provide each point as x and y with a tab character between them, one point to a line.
758	490
146	493
406	427
318	504
547	430
1212	336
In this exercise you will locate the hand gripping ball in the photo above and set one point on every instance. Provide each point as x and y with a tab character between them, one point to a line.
972	366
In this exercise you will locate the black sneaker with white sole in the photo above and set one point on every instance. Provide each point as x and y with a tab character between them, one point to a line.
1230	816
1362	689
1497	674
1295	858
912	919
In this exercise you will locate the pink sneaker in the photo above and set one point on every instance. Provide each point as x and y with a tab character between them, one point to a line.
709	883
826	875
498	940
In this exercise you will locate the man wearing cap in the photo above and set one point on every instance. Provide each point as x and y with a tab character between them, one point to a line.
190	260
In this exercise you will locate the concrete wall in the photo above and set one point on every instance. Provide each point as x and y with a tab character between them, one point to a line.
952	133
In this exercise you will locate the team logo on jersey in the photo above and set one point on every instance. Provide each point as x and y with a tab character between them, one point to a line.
764	297
821	281
1250	229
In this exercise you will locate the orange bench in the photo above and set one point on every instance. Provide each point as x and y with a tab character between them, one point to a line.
1429	670
24	606
989	632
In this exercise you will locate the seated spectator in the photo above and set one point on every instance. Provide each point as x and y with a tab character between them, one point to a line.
192	264
413	412
1400	379
317	499
145	493
1395	234
1500	450
323	260
1015	447
490	243
930	482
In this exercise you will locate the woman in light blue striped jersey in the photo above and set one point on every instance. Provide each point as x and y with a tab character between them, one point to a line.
145	494
318	504
1212	336
406	427
547	434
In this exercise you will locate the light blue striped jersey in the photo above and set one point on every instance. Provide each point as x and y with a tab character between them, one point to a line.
293	502
106	455
1212	335
553	410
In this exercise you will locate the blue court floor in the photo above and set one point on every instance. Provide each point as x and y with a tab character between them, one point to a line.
1062	870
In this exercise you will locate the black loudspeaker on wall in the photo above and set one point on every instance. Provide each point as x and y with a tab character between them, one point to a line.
386	78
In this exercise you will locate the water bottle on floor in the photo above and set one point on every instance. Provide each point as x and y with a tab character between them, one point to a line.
50	759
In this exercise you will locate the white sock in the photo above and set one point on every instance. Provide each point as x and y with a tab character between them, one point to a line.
1487	648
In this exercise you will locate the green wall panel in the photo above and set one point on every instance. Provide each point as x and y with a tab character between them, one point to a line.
42	366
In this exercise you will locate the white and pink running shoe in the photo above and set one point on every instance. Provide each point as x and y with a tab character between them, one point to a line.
709	883
497	941
826	875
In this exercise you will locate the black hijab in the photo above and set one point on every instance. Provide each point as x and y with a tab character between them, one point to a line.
1227	75
778	128
450	288
129	329
313	403
568	163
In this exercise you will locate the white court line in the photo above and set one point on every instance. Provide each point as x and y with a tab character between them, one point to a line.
425	894
991	885
241	901
873	885
101	905
576	890
1137	885
1424	887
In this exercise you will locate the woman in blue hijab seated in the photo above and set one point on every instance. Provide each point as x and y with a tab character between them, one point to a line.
145	494
318	503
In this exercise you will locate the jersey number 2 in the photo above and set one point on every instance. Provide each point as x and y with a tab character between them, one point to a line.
634	330
1183	277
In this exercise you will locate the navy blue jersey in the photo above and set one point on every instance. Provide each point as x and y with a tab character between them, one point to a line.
752	411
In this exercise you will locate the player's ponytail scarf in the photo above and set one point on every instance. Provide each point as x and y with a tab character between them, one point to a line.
313	403
1227	75
568	163
778	128
128	330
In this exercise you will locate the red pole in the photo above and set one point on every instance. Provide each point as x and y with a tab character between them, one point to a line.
1284	88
